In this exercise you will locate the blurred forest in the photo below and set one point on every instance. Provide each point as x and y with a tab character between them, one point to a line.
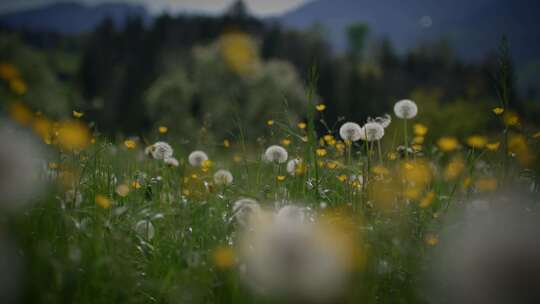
189	72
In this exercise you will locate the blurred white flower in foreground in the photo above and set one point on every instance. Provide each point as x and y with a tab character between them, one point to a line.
11	270
160	150
197	158
284	256
405	109
145	229
350	131
372	131
223	177
244	209
276	154
492	255
21	157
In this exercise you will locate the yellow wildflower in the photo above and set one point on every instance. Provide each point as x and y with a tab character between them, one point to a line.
331	165
163	129
73	135
223	258
18	86
431	239
493	146
511	119
498	110
321	152
427	200
270	122
392	156
78	114
8	71
130	144
103	202
280	178
226	143
420	129
454	169
448	144
320	107
418	140
342	178
477	141
135	185
286	142
237	158
302	125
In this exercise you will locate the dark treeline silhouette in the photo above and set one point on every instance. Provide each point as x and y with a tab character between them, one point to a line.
119	65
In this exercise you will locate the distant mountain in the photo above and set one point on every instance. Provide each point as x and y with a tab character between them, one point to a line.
70	17
473	27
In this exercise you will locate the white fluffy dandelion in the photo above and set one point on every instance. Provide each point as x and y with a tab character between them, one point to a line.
160	150
291	213
384	121
145	229
372	131
292	166
405	109
244	209
21	159
171	161
197	158
350	131
294	260
223	177
276	154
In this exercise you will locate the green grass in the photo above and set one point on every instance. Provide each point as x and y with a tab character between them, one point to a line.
89	254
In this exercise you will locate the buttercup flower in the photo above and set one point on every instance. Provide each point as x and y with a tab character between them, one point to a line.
405	109
276	154
197	158
350	131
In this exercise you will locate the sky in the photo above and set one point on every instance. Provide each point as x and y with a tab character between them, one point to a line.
257	7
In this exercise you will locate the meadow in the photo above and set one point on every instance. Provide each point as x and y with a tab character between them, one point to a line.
295	216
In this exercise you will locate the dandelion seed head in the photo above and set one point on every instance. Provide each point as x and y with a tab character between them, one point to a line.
276	154
384	121
223	177
372	131
244	210
295	166
406	109
171	161
350	131
197	158
161	150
